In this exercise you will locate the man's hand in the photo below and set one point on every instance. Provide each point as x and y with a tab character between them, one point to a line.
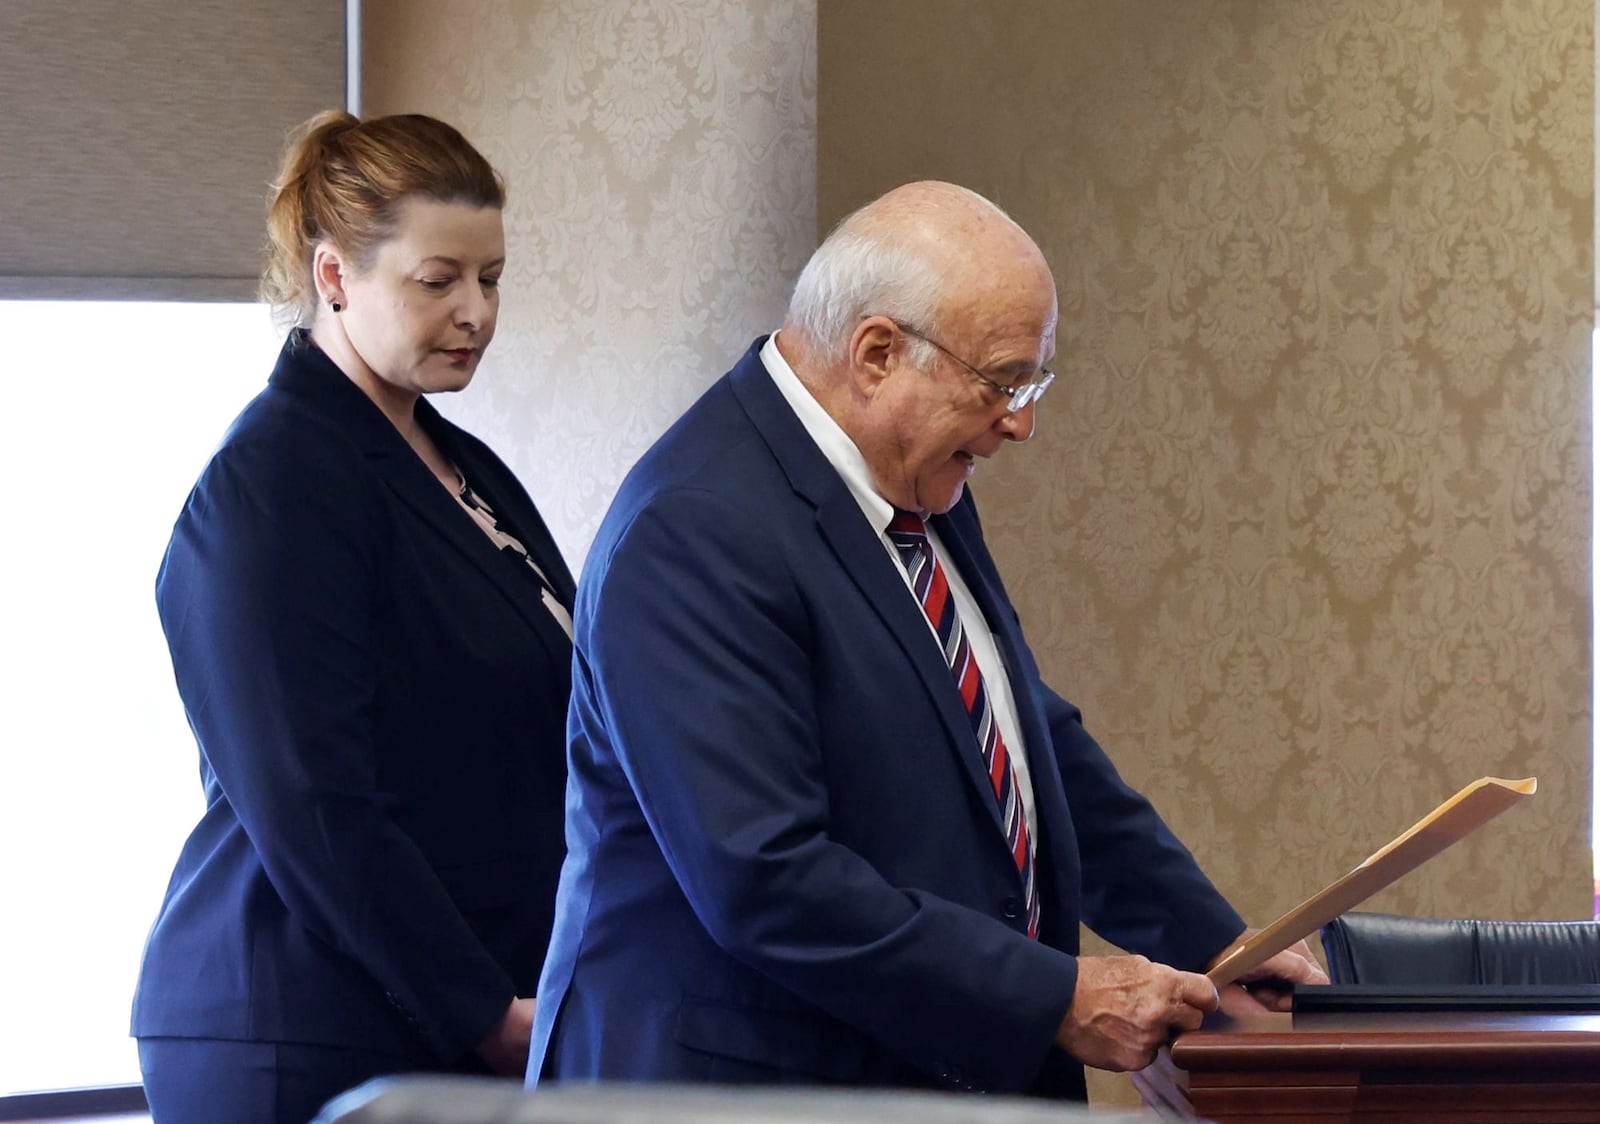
1125	1008
505	1048
1270	984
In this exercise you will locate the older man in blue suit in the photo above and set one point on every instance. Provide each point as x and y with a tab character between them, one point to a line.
825	821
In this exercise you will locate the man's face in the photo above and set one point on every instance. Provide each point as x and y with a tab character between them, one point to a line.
930	423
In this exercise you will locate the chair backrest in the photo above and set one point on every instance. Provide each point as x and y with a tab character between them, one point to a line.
1383	948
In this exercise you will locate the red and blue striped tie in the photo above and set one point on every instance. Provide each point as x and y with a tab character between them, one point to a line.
910	537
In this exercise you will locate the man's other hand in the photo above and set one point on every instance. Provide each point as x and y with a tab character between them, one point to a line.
1271	984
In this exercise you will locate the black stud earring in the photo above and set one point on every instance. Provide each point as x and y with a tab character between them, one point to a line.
336	306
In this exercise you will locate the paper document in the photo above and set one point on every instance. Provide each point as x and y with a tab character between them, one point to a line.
1458	817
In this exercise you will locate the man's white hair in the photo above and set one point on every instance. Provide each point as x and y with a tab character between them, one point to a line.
866	267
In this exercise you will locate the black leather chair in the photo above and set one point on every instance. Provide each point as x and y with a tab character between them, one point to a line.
1386	949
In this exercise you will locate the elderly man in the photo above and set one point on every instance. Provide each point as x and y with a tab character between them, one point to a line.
825	821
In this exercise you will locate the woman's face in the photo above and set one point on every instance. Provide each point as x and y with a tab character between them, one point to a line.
421	316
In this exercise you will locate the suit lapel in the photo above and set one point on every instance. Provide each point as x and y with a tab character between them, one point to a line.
305	372
513	509
416	487
863	557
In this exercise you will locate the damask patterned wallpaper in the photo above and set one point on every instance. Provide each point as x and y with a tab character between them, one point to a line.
1305	526
661	156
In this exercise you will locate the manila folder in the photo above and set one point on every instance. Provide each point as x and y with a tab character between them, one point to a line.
1459	816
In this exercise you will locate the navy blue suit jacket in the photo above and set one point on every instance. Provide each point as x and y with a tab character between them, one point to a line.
784	856
379	698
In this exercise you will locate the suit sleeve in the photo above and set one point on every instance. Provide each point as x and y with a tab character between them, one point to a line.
268	597
1142	889
694	637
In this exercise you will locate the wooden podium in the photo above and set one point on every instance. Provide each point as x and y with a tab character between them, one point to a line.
1419	1068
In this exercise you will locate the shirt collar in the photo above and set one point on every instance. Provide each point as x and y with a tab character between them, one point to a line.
832	441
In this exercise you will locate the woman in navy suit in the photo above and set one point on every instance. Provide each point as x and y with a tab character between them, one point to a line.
369	628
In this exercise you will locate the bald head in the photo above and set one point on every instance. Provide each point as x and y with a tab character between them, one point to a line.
916	326
921	253
956	229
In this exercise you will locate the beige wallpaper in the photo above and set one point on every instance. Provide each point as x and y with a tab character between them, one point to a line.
661	156
1305	527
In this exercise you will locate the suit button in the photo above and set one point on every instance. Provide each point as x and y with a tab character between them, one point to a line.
1011	909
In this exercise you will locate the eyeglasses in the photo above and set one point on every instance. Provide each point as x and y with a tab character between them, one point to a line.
1018	397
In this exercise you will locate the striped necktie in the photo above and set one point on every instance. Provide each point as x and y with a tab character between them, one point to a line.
910	537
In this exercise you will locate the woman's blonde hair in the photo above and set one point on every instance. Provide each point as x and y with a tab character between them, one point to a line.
342	181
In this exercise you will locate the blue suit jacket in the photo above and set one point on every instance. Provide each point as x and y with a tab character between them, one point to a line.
379	698
784	857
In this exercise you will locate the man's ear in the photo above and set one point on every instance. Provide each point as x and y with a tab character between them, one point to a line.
871	352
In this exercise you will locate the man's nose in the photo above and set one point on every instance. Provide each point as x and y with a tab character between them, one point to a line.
1018	425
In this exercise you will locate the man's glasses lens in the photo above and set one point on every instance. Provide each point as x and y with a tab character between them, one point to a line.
1030	391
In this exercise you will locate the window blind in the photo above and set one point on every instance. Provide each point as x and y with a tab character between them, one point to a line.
138	139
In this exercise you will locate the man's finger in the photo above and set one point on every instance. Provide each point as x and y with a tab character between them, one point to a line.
1272	994
1187	1017
1197	991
